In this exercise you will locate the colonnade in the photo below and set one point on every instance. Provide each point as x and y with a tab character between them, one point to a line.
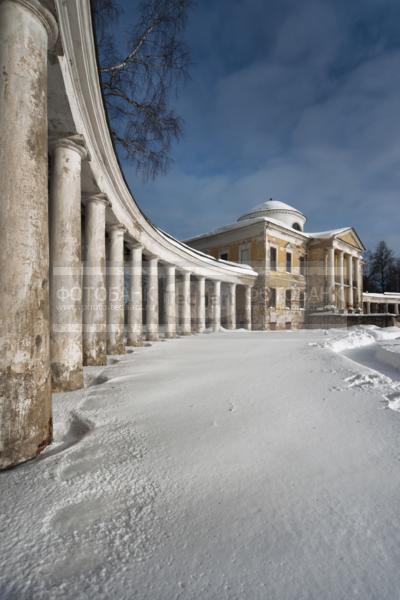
81	269
381	303
105	287
344	279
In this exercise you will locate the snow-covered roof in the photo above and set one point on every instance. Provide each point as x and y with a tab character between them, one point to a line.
246	223
270	206
328	234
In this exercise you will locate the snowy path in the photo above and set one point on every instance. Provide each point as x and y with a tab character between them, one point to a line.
232	466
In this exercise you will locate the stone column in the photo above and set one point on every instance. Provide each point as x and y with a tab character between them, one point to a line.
152	321
359	281
185	320
94	281
396	309
342	300
135	309
27	30
216	305
65	261
170	302
231	316
368	307
350	275
115	291
200	304
247	307
331	276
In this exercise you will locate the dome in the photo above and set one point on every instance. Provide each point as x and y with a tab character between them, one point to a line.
279	211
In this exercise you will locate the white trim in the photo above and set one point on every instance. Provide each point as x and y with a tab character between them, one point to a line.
289	251
272	245
246	247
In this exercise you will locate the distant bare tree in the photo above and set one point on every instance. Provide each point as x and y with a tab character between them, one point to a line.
381	271
137	84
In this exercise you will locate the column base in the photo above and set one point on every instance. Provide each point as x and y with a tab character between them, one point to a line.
95	361
152	337
20	445
169	335
136	341
65	380
118	349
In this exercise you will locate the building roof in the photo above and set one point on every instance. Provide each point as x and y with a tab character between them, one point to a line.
328	234
245	223
268	206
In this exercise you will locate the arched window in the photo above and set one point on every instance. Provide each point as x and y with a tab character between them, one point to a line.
296	226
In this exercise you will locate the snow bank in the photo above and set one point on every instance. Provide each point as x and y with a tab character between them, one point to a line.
363	335
355	338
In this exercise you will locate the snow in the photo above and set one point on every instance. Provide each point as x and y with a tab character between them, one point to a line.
234	465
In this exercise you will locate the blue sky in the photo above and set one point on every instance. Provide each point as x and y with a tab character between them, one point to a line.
293	99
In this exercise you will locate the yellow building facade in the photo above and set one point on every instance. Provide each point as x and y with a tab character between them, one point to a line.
299	273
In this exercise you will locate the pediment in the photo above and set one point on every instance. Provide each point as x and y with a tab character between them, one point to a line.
350	237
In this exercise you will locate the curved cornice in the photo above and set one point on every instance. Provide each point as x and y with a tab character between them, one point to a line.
81	80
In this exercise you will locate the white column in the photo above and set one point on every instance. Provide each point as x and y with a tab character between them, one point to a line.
359	281
27	29
331	276
342	300
186	325
152	320
396	309
65	261
200	304
94	281
368	307
231	316
170	302
350	275
247	307
135	296
115	291
215	305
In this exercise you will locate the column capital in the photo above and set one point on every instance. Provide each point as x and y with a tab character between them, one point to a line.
134	245
117	229
42	11
97	198
74	141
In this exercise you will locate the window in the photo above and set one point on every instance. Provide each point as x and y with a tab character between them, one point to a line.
296	226
224	256
302	302
272	298
289	262
272	258
244	255
288	298
302	265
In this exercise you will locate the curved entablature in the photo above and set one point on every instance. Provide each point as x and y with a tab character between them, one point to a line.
80	75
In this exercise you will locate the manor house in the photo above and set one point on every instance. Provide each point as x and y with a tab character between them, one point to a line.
298	272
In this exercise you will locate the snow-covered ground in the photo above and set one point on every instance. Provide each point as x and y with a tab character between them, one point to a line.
238	466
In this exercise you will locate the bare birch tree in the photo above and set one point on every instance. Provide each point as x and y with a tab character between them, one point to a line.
139	80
